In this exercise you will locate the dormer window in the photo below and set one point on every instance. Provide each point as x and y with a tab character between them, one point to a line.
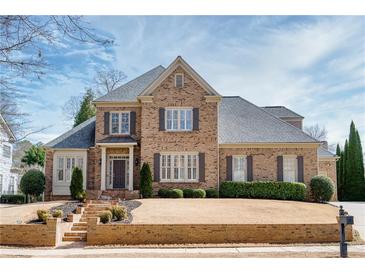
179	80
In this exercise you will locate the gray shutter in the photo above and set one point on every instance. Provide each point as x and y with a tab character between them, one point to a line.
201	167
300	169
280	168
106	123
249	169
195	118
133	123
229	168
156	167
162	119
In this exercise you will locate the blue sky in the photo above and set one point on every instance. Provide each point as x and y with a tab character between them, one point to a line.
314	65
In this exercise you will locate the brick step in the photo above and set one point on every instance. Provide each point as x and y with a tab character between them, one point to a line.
79	228
80	224
73	239
94	212
91	214
76	233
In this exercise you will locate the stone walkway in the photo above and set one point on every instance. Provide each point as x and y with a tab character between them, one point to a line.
272	251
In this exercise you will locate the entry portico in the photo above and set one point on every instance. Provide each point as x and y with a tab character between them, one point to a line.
117	164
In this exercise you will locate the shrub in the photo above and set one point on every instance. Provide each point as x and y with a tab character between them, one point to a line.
188	193
175	193
81	196
58	213
146	181
199	193
13	198
105	217
321	188
76	186
263	190
211	193
33	182
119	213
43	215
163	193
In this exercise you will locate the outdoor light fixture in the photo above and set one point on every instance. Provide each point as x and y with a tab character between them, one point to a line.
136	161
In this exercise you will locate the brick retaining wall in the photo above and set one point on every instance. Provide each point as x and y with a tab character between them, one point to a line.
135	234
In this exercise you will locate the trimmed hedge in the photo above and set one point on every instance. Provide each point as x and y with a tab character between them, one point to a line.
212	193
263	190
13	198
199	193
188	193
322	188
163	193
171	193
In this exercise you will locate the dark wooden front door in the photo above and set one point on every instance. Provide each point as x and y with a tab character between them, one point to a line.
118	174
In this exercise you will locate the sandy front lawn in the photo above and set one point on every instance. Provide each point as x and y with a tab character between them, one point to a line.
12	214
231	211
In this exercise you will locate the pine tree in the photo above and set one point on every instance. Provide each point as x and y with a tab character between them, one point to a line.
360	155
338	172
344	170
87	109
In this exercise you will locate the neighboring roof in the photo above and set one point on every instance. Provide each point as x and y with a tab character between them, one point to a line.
243	122
282	112
129	91
81	136
119	139
324	153
6	127
180	62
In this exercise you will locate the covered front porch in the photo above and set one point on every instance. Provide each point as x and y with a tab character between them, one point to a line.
117	164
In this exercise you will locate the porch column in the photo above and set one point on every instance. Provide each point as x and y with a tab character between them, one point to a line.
131	162
103	168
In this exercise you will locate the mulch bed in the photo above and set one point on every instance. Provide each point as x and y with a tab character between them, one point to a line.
67	208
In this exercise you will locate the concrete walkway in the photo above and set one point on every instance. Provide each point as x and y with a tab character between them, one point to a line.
272	251
357	209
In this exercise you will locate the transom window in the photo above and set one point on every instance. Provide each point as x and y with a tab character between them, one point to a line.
179	119
65	165
179	167
179	80
290	168
119	122
6	151
239	168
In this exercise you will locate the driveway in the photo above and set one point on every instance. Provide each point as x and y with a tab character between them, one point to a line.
15	214
357	209
231	211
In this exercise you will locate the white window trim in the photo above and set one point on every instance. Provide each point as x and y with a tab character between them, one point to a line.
110	170
120	123
182	79
185	180
295	158
3	152
178	119
244	167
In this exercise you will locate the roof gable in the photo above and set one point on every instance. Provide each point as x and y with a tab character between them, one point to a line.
179	62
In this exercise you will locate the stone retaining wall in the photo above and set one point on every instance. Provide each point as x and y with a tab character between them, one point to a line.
139	234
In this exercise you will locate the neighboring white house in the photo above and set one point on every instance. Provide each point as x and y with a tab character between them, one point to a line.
8	179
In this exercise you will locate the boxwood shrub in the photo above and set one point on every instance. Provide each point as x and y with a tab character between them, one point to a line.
188	193
199	193
263	190
170	193
322	188
13	198
212	193
163	193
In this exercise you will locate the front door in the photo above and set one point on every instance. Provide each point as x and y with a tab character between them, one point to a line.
118	173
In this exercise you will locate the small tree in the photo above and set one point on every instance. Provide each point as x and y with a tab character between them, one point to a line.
322	188
33	183
146	181
35	155
76	186
87	109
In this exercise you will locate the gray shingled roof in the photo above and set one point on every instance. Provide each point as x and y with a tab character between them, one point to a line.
129	91
324	153
117	139
81	136
282	112
243	122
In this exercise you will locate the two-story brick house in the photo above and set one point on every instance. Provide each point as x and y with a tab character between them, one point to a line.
190	135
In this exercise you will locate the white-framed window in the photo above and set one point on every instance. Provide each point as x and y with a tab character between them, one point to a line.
120	122
290	168
6	151
1	183
179	119
11	185
179	80
179	167
65	165
239	164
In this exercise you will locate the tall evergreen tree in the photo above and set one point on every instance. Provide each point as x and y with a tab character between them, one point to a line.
339	172
360	155
344	169
87	109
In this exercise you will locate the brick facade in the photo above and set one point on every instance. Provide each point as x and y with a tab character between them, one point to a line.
48	173
328	168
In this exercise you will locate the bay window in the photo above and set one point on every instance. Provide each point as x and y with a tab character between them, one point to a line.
179	119
239	168
290	168
179	167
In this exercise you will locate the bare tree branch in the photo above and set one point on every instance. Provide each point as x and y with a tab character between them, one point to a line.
317	132
107	80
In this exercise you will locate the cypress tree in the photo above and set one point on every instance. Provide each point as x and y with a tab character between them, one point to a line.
344	170
87	110
339	172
